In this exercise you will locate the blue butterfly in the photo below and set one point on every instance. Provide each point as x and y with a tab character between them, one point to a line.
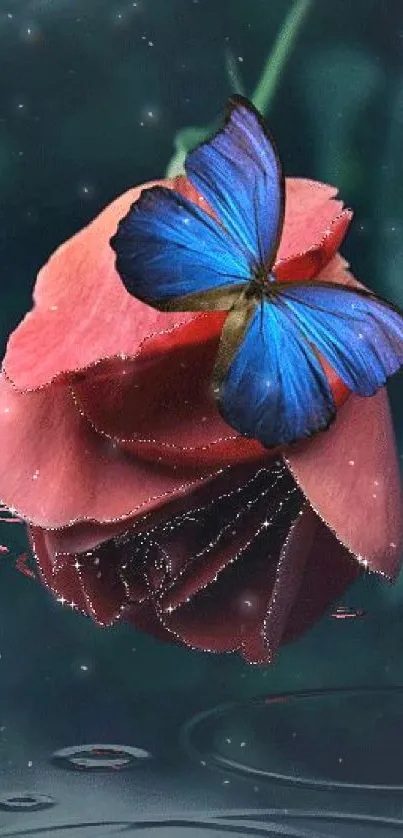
268	380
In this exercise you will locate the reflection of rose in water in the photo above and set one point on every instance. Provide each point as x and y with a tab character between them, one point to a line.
143	504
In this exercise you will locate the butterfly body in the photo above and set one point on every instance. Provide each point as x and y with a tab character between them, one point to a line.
268	379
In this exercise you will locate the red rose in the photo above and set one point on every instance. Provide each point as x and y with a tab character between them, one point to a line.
143	503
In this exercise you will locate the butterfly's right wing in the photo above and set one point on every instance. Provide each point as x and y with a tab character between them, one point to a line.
173	255
239	173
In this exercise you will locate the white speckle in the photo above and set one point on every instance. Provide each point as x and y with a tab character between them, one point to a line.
151	43
392	545
6	410
351	462
35	474
240	58
30	763
83	667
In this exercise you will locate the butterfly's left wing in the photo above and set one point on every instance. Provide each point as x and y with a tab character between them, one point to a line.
268	382
174	256
359	334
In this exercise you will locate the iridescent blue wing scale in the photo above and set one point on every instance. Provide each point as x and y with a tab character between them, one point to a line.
239	174
275	389
167	248
359	334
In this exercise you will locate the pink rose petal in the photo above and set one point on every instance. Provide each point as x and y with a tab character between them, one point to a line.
314	221
56	470
351	477
161	404
82	311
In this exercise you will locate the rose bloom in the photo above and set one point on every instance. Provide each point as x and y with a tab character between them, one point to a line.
141	503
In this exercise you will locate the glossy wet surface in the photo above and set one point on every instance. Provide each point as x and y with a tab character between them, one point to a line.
271	739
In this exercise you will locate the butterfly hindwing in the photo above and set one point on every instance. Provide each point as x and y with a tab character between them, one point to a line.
167	248
239	174
359	334
275	389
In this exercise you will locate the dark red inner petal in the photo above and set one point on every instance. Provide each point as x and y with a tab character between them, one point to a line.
204	573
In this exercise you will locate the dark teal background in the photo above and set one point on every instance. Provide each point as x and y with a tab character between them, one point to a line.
77	79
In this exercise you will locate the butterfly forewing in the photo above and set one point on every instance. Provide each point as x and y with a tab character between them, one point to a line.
239	174
167	248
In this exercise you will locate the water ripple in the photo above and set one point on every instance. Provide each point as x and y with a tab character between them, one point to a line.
294	823
329	739
25	801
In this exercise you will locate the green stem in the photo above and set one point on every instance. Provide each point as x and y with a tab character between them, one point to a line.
188	138
266	89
